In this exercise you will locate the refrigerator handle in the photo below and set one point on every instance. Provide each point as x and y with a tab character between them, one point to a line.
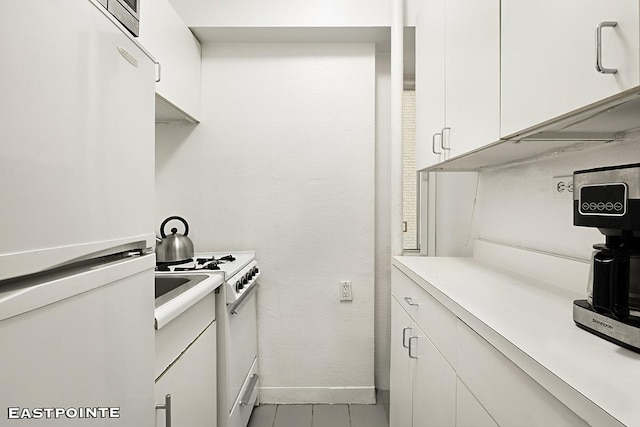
167	408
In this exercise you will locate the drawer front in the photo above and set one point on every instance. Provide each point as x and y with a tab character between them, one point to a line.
435	320
509	395
241	410
406	291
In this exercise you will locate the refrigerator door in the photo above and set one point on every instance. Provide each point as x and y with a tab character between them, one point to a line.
77	343
77	135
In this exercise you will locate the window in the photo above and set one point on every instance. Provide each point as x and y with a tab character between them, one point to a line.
410	178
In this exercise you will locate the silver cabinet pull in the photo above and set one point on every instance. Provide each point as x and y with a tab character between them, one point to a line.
410	355
409	300
404	336
244	400
433	143
599	66
442	139
159	71
167	407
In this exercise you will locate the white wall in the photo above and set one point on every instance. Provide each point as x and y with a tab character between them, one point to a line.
284	13
283	163
383	221
516	204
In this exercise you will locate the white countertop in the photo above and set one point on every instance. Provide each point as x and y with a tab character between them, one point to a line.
530	321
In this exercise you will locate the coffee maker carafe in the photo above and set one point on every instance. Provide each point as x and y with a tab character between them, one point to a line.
609	198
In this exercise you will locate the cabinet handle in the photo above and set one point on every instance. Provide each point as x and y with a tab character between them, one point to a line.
404	336
410	355
244	401
433	143
442	139
599	66
167	407
159	72
409	300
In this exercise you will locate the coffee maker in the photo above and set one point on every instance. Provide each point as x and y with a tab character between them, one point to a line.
609	198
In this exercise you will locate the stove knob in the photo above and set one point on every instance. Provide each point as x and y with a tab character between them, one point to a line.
238	285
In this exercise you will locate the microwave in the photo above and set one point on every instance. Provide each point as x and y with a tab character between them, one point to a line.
125	11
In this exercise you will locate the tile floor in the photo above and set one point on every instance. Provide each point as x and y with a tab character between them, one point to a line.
319	416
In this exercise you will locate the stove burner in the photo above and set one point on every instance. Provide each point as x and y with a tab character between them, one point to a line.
213	265
210	263
229	258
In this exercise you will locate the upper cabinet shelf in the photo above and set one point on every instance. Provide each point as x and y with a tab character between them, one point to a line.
552	97
178	52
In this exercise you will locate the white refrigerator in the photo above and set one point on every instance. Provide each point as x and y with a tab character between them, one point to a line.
76	218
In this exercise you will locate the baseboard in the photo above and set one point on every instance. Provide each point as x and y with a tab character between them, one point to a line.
328	395
383	397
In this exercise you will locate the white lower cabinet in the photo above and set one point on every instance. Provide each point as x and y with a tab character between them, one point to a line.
402	368
444	374
190	381
434	392
423	384
511	396
469	411
186	367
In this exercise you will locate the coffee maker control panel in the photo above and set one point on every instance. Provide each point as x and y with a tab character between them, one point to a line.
603	199
608	198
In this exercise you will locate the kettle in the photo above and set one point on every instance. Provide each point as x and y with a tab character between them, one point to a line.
176	247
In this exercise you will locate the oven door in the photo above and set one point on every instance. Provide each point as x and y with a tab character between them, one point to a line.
243	344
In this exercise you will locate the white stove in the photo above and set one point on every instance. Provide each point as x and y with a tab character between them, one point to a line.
237	356
240	270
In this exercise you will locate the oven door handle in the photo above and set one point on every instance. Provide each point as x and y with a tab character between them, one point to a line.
237	305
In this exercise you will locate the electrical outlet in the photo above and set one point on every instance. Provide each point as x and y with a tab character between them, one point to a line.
345	291
562	187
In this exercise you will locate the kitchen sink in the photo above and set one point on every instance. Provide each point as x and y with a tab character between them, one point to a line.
170	286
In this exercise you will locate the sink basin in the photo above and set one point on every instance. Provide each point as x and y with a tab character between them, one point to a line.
169	286
165	284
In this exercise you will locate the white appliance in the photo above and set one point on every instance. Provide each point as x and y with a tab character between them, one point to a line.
125	11
237	330
76	216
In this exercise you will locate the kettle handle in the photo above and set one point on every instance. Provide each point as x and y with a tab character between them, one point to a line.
186	226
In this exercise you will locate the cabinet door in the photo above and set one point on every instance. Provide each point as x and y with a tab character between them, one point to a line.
472	107
402	367
511	396
469	412
429	83
549	57
163	32
434	394
191	382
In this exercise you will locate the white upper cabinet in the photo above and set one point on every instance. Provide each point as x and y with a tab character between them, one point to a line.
549	57
165	35
472	106
457	78
429	83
